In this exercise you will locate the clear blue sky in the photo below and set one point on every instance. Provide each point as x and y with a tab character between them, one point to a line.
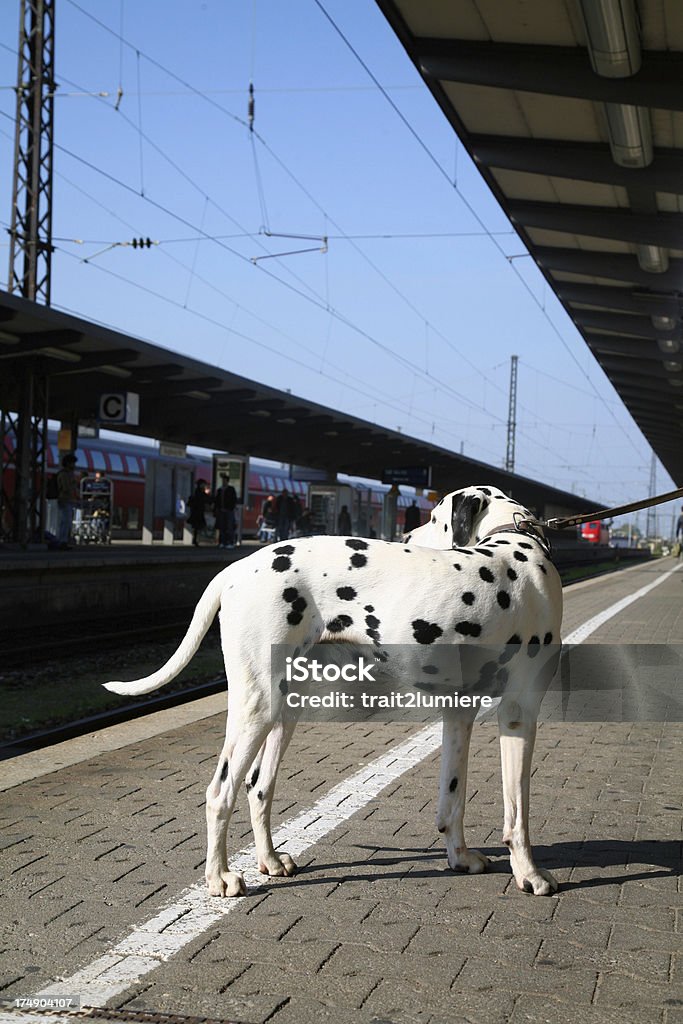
412	332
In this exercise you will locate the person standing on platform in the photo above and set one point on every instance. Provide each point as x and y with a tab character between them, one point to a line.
284	508
413	518
344	522
224	507
67	498
197	506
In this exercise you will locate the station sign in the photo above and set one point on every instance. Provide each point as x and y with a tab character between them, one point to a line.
411	476
120	407
169	450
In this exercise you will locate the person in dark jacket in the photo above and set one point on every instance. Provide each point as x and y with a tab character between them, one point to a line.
197	506
413	518
224	506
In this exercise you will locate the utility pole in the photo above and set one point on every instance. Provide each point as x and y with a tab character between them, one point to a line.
512	417
651	523
30	252
23	430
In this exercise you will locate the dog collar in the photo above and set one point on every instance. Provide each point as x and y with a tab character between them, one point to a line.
529	527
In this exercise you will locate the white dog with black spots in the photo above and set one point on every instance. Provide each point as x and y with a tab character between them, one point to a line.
478	573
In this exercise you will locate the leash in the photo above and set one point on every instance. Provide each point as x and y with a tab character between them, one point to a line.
562	524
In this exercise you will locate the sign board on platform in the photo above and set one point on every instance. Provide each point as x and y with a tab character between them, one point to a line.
412	476
120	407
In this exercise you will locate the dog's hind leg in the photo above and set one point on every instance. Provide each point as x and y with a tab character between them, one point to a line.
517	722
457	730
244	736
261	788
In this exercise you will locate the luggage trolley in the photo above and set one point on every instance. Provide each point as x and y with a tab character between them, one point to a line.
92	522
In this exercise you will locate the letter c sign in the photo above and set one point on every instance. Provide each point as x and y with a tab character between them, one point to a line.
113	408
120	407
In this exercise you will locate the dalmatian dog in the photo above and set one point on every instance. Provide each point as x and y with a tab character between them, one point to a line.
478	573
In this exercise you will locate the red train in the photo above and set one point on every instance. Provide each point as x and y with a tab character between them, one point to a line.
595	533
125	464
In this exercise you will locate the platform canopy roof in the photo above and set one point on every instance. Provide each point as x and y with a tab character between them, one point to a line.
190	402
573	112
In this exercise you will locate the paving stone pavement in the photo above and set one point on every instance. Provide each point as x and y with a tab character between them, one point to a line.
374	927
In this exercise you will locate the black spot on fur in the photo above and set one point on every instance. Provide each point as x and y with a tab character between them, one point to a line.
534	647
255	775
286	549
468	628
259	795
453	785
429	687
523	544
463	551
548	639
512	575
224	770
445	527
511	648
503	598
339	624
430	670
433	519
468	597
543	568
283	688
502	676
426	632
486	574
456	565
484	490
501	542
520	556
346	593
485	551
358	561
369	608
281	563
356	544
290	594
372	622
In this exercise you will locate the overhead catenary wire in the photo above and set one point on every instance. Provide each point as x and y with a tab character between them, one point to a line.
342	235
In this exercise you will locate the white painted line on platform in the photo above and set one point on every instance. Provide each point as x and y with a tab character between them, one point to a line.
194	910
585	630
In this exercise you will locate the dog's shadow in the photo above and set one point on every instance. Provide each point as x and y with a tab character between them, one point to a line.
662	856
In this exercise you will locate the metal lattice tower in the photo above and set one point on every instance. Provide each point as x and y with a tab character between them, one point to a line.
30	252
23	430
651	522
512	417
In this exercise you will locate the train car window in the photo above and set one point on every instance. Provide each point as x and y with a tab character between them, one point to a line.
82	457
116	462
98	461
133	518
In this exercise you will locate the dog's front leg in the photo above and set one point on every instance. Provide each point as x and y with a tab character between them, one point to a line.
261	788
457	730
517	735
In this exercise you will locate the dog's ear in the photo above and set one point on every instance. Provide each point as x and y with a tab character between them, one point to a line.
465	508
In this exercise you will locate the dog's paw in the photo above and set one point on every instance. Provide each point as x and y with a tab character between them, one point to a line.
278	865
462	859
539	882
227	883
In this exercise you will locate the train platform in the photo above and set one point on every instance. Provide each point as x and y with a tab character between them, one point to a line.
102	842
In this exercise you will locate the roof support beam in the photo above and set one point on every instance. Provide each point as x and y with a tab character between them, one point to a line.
550	70
611	266
647	303
623	323
579	161
665	229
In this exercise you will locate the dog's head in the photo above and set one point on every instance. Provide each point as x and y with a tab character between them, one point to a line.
464	517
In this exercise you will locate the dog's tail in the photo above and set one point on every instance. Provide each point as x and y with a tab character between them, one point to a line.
204	615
